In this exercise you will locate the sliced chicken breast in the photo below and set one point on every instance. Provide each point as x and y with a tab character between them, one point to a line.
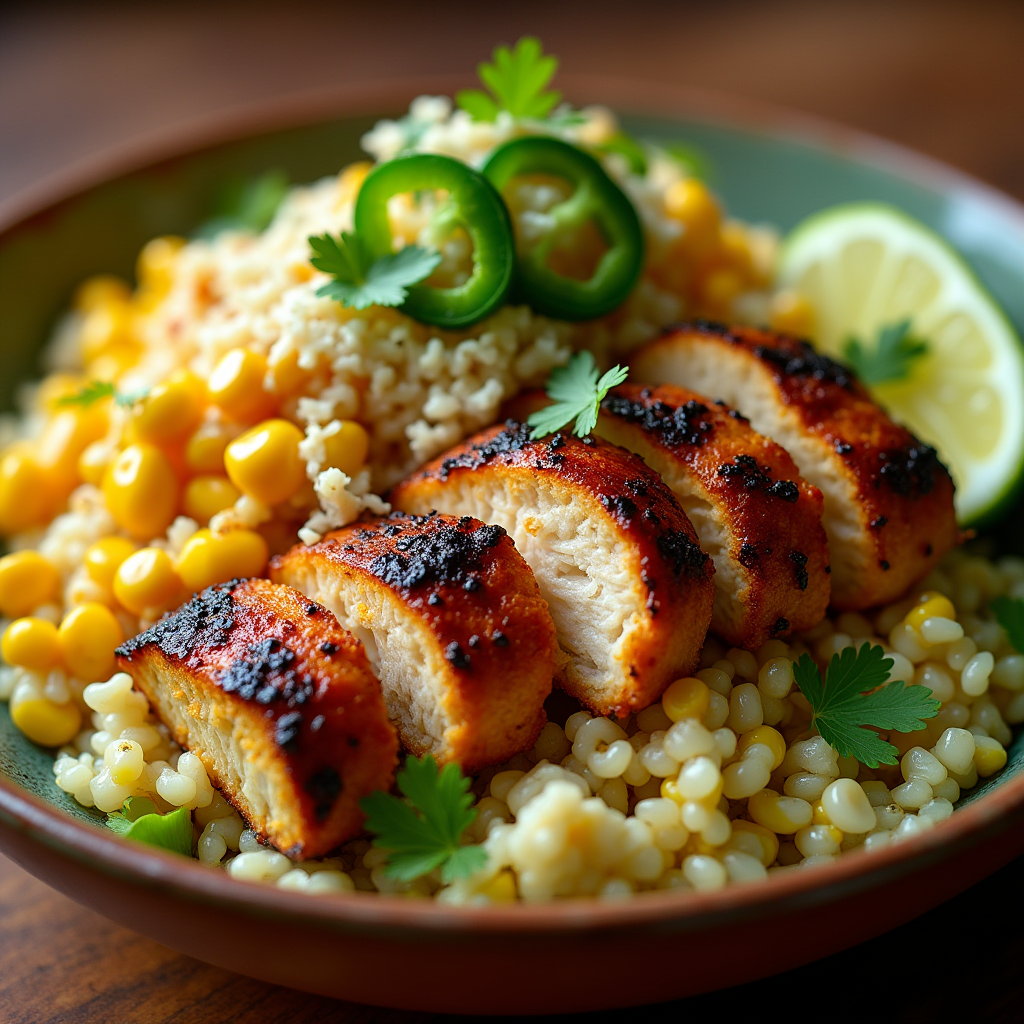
454	625
757	518
888	501
278	702
614	555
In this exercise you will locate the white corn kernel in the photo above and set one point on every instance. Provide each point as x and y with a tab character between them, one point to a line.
940	630
974	678
912	795
955	750
704	873
848	806
918	763
688	738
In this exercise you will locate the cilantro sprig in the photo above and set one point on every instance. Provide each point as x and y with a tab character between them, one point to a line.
576	392
360	281
138	819
516	81
96	390
853	695
891	359
1009	613
423	834
244	205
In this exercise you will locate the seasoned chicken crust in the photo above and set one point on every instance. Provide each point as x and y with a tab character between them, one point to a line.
615	557
888	500
454	624
757	518
278	702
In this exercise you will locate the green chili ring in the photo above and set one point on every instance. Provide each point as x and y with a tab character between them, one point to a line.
474	204
597	198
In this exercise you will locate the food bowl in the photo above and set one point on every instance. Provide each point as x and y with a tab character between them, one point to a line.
415	954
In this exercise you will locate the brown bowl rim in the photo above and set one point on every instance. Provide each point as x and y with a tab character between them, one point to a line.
981	820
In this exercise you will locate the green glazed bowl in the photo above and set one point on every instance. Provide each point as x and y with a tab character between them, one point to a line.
767	167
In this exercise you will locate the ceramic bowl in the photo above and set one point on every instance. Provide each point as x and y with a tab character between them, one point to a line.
768	167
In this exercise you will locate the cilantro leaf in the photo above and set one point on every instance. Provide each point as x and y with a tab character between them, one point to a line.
97	390
138	819
1009	613
424	833
359	281
576	394
517	82
852	695
246	205
628	148
890	359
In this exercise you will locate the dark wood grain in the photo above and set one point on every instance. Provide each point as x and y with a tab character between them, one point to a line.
941	76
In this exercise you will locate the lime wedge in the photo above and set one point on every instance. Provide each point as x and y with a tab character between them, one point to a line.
865	266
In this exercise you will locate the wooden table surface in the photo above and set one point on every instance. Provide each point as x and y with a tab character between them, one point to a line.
941	77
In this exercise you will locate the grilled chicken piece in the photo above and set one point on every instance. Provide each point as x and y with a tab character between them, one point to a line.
755	516
615	556
888	500
278	702
454	625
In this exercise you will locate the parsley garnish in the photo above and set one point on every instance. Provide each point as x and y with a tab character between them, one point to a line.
97	390
576	394
892	356
138	819
843	704
246	205
1009	613
424	833
359	281
517	82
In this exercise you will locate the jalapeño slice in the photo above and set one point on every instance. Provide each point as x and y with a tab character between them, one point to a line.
596	199
472	204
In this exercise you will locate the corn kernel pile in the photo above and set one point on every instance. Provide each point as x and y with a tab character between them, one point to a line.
238	412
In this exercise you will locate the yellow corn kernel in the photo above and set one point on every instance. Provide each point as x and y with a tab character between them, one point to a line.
26	493
351	179
141	490
734	249
347	449
208	558
204	452
205	496
27	580
819	816
171	410
288	377
112	364
155	266
88	636
791	313
932	606
236	386
31	643
93	462
46	723
690	202
104	558
989	755
769	840
770	737
265	463
99	291
66	435
107	327
669	789
719	287
686	698
501	888
784	815
146	581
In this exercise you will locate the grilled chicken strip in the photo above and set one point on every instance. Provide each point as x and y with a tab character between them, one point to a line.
888	500
454	625
278	702
615	557
755	516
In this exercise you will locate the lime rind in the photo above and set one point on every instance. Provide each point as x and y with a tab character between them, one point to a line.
986	488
